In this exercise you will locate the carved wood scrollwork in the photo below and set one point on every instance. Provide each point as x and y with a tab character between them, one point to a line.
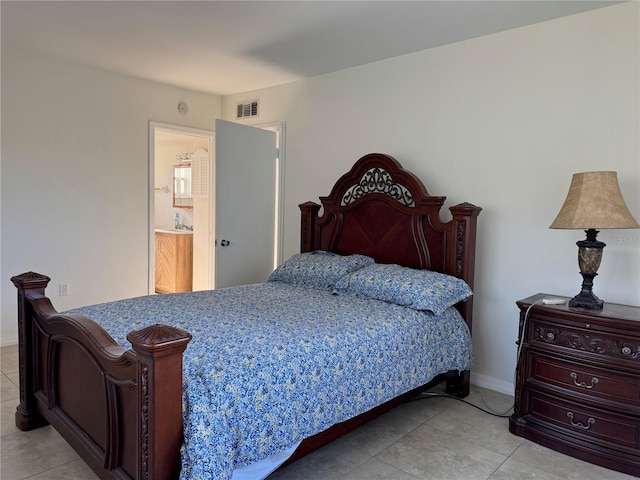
587	343
378	180
460	231
304	234
309	214
144	423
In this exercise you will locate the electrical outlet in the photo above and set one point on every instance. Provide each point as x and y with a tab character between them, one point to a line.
63	289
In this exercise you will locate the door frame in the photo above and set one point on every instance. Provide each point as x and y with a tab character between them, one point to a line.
194	132
279	128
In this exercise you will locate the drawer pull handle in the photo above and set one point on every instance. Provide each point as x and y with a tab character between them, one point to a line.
626	350
581	425
550	336
594	381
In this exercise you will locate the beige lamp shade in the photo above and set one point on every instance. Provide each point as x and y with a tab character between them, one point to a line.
594	201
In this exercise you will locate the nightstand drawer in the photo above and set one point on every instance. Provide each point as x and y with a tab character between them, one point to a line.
587	382
592	424
547	333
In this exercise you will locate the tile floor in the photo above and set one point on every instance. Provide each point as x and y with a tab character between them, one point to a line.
428	439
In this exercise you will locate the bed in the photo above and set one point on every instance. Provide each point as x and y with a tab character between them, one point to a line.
125	400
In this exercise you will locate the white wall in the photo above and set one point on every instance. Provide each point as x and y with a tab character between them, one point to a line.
501	121
75	190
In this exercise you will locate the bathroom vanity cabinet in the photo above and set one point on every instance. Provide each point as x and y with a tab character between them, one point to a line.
174	261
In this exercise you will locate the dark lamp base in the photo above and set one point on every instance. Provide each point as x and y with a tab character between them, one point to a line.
588	300
589	257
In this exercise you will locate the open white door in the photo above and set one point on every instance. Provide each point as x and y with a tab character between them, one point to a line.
245	204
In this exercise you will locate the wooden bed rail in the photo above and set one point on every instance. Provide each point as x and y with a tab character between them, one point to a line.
121	410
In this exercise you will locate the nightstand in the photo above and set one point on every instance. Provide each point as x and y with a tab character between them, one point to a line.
578	382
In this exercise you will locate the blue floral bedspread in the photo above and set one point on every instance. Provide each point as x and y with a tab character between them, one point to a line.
271	364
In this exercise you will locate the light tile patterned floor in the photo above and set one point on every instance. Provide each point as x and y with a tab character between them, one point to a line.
427	439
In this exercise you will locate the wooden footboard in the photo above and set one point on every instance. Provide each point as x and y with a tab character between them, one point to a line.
121	410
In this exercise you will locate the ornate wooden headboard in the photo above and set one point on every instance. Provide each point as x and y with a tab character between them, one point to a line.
381	210
384	211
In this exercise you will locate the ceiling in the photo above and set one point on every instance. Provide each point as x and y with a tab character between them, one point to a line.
238	46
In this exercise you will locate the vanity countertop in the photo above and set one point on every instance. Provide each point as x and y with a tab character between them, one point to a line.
175	232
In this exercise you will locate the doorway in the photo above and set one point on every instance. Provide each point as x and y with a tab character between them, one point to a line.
170	145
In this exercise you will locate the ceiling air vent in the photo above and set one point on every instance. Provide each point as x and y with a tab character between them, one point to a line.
247	109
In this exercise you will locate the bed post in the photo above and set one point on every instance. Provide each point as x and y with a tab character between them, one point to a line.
308	233
462	242
29	285
159	350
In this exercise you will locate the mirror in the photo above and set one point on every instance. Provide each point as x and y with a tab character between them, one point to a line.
182	186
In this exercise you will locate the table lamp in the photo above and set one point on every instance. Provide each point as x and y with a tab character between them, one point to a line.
594	202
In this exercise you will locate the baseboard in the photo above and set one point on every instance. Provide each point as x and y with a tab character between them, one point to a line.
8	341
492	383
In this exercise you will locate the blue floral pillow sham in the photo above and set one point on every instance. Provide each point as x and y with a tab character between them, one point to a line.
318	269
417	289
